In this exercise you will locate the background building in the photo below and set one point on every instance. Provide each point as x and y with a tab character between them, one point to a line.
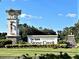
42	39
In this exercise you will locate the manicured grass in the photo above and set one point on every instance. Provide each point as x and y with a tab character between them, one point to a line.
38	51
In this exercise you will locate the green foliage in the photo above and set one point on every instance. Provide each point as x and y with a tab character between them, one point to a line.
21	42
3	35
4	42
70	30
62	42
16	46
63	45
47	56
76	57
36	46
48	31
53	56
25	57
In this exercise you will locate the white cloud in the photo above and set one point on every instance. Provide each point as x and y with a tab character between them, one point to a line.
13	0
25	0
23	15
72	15
28	16
37	17
60	14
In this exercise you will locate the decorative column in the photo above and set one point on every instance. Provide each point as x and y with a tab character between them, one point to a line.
71	40
13	22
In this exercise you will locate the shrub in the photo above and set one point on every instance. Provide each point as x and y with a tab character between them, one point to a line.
16	46
76	57
62	42
53	56
49	56
22	42
25	57
66	56
5	42
8	46
62	45
36	46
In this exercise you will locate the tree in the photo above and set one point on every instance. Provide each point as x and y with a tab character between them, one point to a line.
25	30
3	35
49	31
59	34
71	30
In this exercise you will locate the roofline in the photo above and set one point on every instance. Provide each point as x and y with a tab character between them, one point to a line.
42	35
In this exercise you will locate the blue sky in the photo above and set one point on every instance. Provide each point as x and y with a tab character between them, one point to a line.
52	14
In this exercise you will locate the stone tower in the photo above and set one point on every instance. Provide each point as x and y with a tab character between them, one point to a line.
13	22
71	40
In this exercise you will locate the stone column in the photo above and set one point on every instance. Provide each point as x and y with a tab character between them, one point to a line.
13	22
71	40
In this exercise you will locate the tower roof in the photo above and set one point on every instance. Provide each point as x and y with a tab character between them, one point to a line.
13	12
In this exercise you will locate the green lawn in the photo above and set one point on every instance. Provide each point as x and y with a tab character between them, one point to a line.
32	51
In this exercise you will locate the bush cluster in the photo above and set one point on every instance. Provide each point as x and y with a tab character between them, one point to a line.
25	57
36	46
62	42
47	56
4	42
53	56
76	57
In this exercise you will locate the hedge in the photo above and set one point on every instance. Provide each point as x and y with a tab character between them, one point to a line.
36	46
5	42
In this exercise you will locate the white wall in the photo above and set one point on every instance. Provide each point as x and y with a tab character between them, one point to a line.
42	39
